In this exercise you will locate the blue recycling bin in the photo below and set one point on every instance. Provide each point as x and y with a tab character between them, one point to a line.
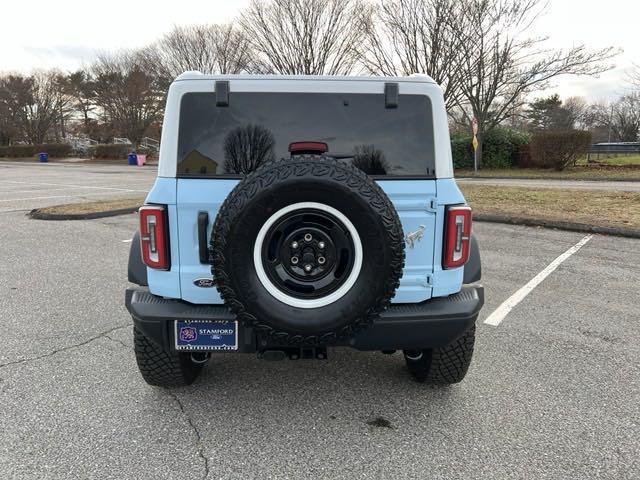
133	158
44	157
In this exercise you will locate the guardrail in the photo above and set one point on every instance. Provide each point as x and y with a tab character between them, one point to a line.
613	148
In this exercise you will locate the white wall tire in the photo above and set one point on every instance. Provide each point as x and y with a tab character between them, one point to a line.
299	302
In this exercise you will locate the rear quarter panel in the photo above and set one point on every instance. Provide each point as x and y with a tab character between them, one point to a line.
166	283
445	282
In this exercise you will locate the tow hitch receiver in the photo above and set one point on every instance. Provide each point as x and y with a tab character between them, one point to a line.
293	353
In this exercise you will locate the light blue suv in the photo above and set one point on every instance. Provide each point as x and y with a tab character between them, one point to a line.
296	213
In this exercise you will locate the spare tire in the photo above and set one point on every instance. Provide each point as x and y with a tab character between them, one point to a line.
308	250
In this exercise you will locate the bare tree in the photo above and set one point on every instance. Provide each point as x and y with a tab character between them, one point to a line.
370	160
246	148
207	48
576	108
82	90
314	37
597	119
633	77
128	96
15	94
502	63
42	105
625	118
414	36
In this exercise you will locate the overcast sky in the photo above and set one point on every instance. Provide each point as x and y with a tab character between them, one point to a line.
66	33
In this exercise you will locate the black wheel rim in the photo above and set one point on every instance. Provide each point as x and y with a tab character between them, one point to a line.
308	254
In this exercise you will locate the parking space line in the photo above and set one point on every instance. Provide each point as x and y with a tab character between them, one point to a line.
79	195
503	310
6	192
74	186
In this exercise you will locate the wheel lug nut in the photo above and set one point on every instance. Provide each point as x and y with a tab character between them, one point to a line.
321	260
294	245
307	237
320	245
294	260
307	268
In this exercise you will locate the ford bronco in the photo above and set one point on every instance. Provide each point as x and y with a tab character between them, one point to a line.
295	213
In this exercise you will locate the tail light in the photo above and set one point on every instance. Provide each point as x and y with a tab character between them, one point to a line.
154	236
457	233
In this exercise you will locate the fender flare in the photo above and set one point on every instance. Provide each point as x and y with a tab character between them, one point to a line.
473	268
137	271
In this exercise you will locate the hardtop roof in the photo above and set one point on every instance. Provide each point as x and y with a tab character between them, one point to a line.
195	75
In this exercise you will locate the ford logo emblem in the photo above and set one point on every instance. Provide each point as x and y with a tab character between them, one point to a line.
203	282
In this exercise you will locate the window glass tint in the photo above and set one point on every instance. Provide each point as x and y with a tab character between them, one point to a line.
259	127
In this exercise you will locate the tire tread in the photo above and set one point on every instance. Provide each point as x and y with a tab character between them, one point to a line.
445	365
161	368
319	166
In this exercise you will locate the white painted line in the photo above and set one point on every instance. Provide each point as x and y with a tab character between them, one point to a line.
74	186
44	190
79	195
127	241
503	310
11	210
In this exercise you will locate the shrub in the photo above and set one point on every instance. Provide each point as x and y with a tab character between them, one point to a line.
524	157
17	151
109	150
20	151
559	148
462	151
56	150
502	146
502	149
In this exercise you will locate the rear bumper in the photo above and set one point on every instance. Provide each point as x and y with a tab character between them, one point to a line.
429	324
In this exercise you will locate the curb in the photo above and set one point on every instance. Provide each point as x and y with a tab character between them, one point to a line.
37	214
506	177
570	226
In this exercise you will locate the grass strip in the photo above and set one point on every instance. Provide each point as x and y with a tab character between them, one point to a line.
88	208
599	208
618	172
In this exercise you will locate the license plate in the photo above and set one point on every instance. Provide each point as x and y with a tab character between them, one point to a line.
206	335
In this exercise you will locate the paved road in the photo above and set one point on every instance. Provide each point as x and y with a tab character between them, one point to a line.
24	186
553	391
563	184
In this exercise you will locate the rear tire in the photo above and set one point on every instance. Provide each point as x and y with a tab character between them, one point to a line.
161	368
443	365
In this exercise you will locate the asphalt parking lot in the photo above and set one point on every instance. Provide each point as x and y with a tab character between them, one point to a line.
553	391
24	186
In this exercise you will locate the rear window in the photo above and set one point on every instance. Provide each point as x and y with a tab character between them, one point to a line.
256	128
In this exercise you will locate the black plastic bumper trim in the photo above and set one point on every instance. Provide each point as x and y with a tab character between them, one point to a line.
432	323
